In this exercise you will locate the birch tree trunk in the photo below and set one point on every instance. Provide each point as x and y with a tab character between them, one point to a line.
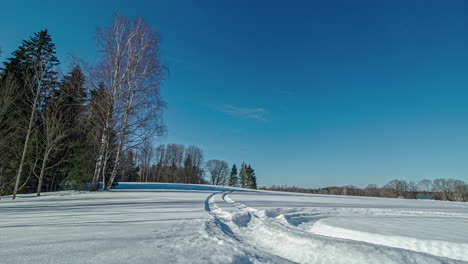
121	141
54	133
41	175
103	149
26	140
104	167
132	73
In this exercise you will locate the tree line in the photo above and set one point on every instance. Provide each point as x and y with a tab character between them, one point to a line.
220	175
167	163
177	163
79	128
93	125
438	189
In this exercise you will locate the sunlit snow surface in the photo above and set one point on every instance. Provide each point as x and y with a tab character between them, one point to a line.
171	223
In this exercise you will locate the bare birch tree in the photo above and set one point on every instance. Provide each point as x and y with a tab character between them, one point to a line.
132	74
53	134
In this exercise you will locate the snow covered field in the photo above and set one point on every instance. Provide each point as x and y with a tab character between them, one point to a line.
170	223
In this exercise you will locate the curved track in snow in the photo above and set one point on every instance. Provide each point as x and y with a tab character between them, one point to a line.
300	236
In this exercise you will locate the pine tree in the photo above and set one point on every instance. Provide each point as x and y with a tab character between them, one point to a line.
35	54
243	176
251	178
79	168
9	132
70	100
233	176
33	67
18	73
72	97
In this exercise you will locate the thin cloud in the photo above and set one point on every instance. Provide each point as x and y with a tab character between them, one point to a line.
288	93
251	113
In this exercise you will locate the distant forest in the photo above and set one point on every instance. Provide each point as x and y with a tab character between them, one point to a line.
177	163
93	126
438	189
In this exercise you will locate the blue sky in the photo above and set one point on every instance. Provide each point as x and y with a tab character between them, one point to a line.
311	93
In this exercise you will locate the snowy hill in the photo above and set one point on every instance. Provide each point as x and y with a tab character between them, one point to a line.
174	223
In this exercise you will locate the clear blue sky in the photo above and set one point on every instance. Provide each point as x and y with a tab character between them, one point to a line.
311	93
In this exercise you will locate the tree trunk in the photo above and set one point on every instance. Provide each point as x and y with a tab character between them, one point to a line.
25	147
104	167
117	158
41	175
100	160
2	184
53	181
121	140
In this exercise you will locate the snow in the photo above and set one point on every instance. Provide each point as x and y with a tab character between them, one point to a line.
174	223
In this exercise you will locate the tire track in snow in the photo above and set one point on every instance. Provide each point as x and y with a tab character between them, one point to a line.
280	236
243	252
219	224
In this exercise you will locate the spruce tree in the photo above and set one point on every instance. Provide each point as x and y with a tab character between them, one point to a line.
35	54
243	176
71	100
233	176
72	97
79	168
33	67
9	133
251	178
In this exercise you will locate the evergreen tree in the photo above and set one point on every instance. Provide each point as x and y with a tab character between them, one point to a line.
37	53
233	176
18	73
96	110
243	176
251	178
33	67
70	100
9	132
30	50
79	168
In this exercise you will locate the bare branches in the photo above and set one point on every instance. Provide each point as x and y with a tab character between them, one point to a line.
53	134
131	74
219	171
39	71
